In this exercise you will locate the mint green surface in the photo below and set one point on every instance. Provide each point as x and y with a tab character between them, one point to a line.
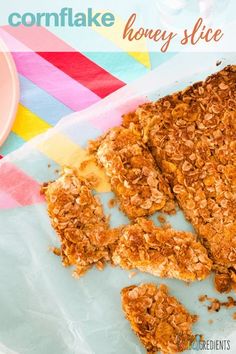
46	311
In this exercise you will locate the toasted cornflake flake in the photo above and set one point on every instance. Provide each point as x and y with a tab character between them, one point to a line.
161	252
55	250
112	203
132	274
159	320
202	298
130	119
193	140
78	218
223	282
215	306
134	177
161	219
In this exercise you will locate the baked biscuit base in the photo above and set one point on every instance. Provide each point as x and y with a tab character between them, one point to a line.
192	136
77	217
159	320
134	177
166	253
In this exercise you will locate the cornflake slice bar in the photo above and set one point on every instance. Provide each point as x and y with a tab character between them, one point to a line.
161	252
134	177
192	135
78	218
159	320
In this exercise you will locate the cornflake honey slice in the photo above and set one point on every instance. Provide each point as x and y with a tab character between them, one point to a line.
162	252
134	177
192	136
159	320
77	217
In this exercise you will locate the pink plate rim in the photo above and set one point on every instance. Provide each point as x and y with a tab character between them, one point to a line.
15	92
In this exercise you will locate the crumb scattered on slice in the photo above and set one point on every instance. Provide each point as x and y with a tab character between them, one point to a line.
77	217
134	177
161	252
159	320
92	179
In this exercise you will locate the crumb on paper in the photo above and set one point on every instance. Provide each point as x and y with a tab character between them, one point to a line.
55	250
49	165
112	202
234	316
43	188
216	304
210	321
164	223
161	219
202	298
132	274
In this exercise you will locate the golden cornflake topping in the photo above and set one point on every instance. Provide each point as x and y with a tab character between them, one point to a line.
192	135
78	218
134	177
161	252
159	320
